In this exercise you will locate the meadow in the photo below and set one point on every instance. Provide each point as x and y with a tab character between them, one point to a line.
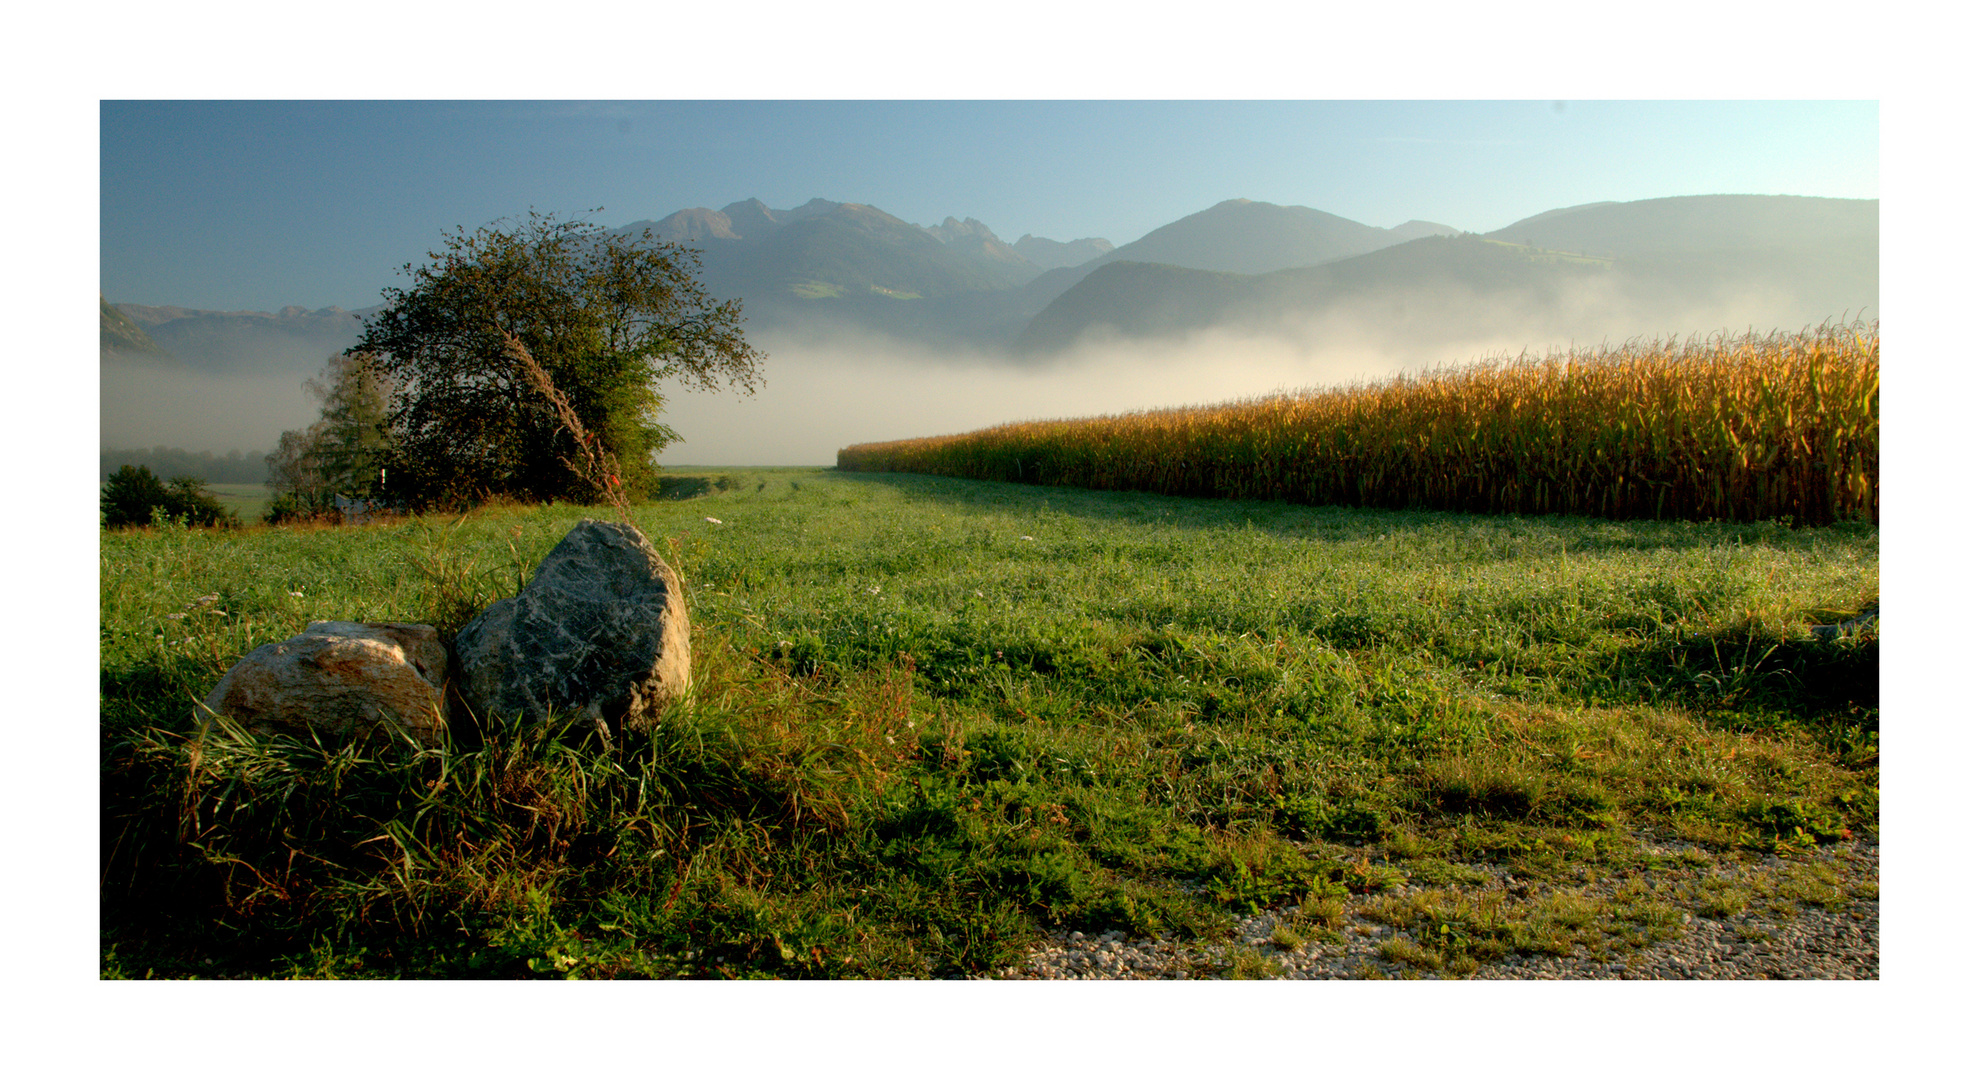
248	501
935	718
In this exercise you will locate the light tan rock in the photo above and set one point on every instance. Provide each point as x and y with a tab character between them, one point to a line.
340	678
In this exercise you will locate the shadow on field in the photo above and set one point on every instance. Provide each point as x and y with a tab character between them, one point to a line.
669	488
1558	533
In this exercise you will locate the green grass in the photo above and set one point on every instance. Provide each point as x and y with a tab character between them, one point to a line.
250	501
934	717
816	290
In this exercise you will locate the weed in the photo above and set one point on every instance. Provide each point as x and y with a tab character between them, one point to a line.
1252	964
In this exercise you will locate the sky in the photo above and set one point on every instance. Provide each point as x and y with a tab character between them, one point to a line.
261	204
256	205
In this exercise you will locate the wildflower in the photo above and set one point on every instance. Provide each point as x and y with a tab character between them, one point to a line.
875	590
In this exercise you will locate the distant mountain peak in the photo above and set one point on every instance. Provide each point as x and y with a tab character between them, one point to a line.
1245	236
1051	254
951	231
1416	229
815	208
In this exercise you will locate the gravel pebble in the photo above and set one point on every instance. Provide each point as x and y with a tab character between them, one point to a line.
1800	942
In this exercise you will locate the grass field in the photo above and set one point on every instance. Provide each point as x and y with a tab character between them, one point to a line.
250	501
933	717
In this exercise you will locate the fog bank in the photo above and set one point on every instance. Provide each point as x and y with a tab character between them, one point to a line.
145	405
826	394
827	389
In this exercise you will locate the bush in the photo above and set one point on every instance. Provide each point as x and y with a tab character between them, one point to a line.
288	507
135	496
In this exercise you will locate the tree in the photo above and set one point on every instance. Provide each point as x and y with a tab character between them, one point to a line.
606	316
135	496
344	451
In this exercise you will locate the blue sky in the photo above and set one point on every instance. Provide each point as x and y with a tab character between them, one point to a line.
254	205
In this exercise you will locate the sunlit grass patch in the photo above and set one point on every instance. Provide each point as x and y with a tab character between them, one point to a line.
918	741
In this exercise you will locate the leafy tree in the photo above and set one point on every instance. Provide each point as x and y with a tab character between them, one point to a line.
345	450
129	495
607	316
135	496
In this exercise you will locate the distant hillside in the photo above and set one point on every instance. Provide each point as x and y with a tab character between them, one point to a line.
854	267
1412	286
1458	289
1241	236
1052	254
777	260
124	338
1703	223
1687	265
1416	230
258	342
973	240
1678	264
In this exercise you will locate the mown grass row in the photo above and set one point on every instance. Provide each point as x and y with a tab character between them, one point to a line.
1745	428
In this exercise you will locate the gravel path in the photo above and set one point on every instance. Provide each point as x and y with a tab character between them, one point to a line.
1811	916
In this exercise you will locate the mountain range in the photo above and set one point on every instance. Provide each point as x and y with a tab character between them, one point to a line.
1604	270
1677	265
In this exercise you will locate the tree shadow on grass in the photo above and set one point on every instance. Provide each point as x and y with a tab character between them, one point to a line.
1559	533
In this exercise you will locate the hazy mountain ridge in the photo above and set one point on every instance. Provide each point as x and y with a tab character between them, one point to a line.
1052	254
1414	287
852	274
122	336
834	256
1702	223
1696	264
1239	236
294	339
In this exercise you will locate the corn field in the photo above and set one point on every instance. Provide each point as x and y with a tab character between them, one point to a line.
1728	428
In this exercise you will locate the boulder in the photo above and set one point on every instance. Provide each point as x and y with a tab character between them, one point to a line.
601	631
1863	621
341	679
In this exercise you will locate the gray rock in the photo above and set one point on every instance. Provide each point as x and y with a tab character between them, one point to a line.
1861	623
601	630
340	678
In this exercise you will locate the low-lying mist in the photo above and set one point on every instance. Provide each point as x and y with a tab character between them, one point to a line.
146	405
830	389
826	392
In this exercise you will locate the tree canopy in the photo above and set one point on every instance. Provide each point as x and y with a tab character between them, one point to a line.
606	315
345	451
134	495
